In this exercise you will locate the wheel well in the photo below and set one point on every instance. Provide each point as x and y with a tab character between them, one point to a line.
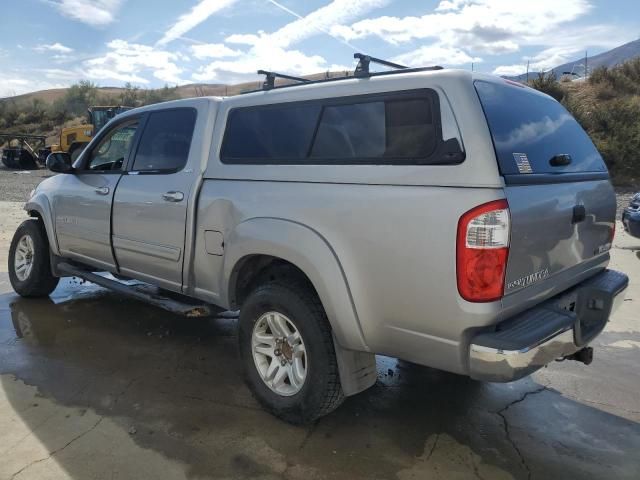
35	214
253	270
38	218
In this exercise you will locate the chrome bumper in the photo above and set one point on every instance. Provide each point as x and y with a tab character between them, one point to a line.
546	332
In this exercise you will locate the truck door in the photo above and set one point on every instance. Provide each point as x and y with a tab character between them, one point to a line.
83	207
151	201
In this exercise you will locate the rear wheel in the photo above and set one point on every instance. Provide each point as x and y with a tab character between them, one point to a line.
287	352
29	261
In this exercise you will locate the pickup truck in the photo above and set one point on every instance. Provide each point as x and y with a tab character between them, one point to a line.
448	218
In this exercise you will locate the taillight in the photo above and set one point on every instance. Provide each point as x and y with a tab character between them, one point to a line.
482	250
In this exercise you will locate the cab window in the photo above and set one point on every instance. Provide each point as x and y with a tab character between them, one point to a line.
111	152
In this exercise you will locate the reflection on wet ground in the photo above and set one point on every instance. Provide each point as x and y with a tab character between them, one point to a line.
175	385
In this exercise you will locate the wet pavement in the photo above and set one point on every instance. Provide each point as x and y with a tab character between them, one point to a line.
96	386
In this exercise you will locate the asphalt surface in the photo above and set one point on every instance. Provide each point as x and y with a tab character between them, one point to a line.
93	385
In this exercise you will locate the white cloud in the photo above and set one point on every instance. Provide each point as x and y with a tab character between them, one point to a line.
91	12
213	50
500	47
482	21
268	57
127	61
449	5
17	83
463	29
272	50
566	44
510	70
322	19
198	14
435	55
53	47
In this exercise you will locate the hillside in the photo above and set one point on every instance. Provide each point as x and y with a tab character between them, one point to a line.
182	91
607	105
609	59
46	112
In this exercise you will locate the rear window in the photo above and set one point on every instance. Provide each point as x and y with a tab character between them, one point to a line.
529	130
396	128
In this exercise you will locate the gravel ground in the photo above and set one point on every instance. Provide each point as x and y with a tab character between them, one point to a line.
15	185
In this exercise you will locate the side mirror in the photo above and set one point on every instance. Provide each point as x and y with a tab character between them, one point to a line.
59	162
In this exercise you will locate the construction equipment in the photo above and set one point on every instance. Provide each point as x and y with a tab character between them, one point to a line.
74	139
23	151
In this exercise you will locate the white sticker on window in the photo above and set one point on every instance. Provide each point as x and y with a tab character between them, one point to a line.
522	162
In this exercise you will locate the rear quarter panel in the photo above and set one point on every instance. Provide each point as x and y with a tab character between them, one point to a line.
395	245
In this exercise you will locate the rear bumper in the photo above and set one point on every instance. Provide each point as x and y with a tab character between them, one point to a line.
553	329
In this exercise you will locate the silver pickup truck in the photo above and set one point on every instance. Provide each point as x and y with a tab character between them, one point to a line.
451	219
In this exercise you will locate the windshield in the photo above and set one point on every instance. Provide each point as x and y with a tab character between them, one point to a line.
530	129
100	119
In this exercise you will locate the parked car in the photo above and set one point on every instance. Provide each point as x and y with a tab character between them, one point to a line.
631	216
448	218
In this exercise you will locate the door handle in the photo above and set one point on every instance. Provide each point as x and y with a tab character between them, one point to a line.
173	196
102	190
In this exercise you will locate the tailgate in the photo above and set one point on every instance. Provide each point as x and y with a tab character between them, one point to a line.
561	202
555	227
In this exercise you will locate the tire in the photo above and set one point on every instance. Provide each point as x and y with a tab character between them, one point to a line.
320	392
37	281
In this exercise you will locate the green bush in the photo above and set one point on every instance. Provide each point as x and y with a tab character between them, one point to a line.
608	108
614	127
547	83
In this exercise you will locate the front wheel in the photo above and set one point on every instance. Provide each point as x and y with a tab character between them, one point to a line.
29	261
287	352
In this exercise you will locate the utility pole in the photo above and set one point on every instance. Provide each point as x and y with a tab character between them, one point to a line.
527	72
472	66
586	70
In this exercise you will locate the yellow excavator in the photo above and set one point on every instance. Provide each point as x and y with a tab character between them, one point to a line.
74	139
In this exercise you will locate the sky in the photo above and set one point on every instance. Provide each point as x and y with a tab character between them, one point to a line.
152	43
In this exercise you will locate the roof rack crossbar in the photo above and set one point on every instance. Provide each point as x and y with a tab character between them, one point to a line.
270	79
362	69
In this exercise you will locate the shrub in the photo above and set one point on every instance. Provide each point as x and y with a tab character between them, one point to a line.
547	83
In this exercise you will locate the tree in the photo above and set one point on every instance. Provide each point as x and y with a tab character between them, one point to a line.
129	95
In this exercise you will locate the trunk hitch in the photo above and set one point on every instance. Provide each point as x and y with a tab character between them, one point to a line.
584	355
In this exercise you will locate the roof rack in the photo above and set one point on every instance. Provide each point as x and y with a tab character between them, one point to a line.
270	79
362	69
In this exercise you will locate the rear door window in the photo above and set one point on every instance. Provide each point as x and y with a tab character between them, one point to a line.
166	140
530	129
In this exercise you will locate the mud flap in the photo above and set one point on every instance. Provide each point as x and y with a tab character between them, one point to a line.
357	369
